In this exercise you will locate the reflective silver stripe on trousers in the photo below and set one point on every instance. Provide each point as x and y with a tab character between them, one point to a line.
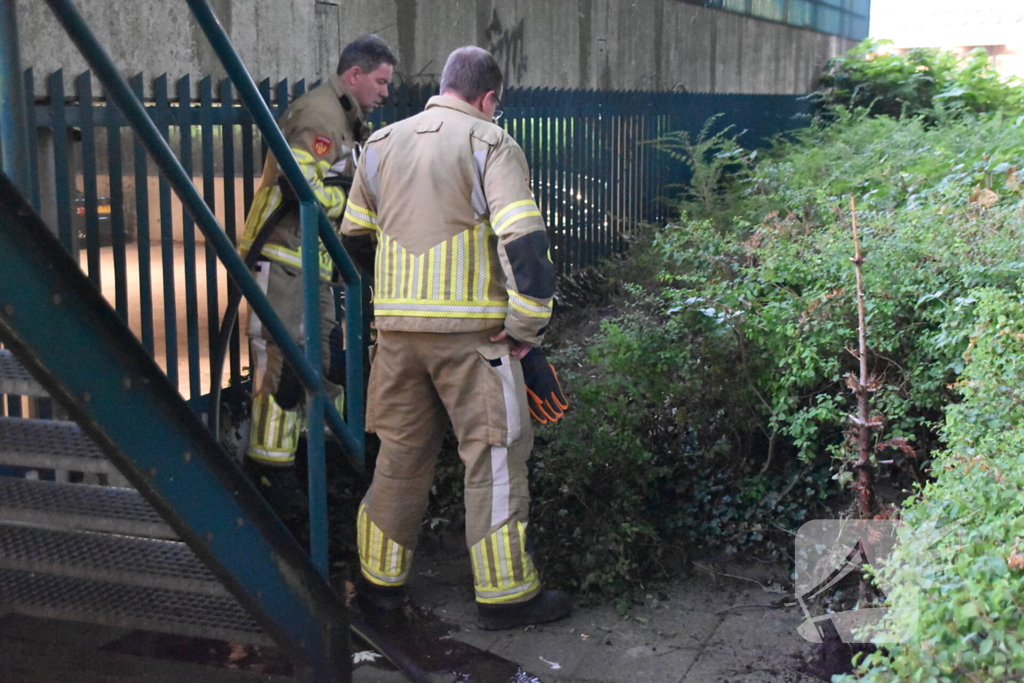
508	387
393	580
499	484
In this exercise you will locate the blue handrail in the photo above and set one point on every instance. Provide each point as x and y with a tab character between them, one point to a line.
311	217
309	367
132	108
72	340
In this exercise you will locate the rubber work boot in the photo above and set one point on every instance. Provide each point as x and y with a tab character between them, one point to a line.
372	598
280	487
544	607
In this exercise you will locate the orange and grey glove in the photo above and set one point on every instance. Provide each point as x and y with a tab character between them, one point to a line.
543	390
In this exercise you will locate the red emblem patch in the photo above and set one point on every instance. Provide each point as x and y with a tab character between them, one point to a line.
321	145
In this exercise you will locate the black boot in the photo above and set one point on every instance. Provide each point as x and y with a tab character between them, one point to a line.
372	598
544	607
280	487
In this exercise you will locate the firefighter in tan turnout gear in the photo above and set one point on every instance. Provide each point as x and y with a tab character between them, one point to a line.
464	285
324	129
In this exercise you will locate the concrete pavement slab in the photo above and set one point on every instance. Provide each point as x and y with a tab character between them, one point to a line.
550	652
753	645
651	664
727	624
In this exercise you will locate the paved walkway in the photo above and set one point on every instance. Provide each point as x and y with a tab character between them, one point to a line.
707	628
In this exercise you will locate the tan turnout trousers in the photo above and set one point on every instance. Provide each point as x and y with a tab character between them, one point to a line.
277	415
417	379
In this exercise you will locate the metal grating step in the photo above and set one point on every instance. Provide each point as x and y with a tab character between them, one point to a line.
78	506
49	444
152	609
14	379
127	560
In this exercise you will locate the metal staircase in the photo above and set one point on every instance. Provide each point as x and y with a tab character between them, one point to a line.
96	553
147	522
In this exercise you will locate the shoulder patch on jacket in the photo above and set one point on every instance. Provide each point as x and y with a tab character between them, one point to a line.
322	145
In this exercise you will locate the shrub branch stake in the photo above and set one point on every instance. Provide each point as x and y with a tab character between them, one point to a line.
862	422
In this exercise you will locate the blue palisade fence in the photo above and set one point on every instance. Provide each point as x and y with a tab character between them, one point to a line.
93	182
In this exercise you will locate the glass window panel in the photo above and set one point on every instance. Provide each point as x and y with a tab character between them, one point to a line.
769	9
801	13
833	3
736	5
862	7
829	20
859	29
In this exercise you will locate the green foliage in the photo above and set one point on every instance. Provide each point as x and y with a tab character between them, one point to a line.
915	84
710	159
775	285
971	619
646	462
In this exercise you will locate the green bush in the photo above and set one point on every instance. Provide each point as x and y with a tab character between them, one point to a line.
940	211
971	623
647	462
691	405
916	84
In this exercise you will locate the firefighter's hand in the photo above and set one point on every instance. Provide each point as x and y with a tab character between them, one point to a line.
543	389
515	347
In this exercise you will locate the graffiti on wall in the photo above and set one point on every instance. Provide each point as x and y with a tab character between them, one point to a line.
508	46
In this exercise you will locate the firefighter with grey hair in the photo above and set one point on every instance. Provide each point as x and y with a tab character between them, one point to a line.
464	288
324	129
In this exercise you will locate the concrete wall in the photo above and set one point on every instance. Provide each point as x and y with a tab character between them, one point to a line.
606	44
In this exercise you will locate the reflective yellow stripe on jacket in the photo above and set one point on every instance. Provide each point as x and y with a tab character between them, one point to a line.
451	280
361	216
269	198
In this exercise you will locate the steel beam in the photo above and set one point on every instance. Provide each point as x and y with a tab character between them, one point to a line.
63	330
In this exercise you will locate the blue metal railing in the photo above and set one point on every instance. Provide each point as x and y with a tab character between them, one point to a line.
307	367
81	350
77	346
592	180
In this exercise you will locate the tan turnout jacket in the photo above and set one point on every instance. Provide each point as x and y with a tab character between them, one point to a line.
323	128
461	242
